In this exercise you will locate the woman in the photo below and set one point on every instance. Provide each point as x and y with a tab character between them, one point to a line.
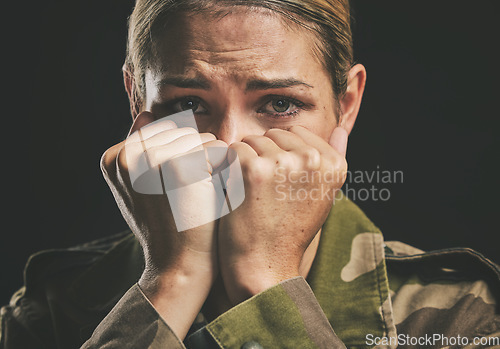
273	82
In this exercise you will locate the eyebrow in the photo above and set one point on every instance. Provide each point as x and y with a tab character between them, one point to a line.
183	82
258	84
252	85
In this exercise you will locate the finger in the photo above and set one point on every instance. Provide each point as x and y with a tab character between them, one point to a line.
285	140
108	160
193	165
177	120
293	144
157	149
142	119
263	146
156	127
185	144
145	127
338	140
313	140
216	152
244	151
169	136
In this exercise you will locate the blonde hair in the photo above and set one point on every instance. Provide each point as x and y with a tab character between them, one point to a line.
329	20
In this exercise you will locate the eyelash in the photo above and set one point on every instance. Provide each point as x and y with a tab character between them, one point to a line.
172	103
290	114
268	99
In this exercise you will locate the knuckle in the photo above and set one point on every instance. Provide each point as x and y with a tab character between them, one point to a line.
189	130
336	162
219	144
254	171
108	158
122	162
311	157
253	138
341	164
336	167
208	137
104	161
296	128
341	169
284	159
248	139
235	146
273	132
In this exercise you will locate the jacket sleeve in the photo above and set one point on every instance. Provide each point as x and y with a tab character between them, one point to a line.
133	323
284	316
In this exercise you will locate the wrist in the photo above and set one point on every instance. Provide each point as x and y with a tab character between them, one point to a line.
155	282
251	281
176	295
188	263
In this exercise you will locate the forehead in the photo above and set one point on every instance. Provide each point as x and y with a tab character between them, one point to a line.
237	43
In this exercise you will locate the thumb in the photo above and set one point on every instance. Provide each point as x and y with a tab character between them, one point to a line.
140	121
338	140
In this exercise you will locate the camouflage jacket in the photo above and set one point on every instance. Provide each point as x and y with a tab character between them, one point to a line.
361	292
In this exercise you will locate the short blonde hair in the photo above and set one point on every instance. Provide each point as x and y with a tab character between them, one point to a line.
329	20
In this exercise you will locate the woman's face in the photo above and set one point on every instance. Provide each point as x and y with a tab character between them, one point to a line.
242	74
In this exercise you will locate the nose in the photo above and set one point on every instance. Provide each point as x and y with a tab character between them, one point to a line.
234	126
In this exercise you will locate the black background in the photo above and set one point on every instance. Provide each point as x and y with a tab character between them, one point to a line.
430	110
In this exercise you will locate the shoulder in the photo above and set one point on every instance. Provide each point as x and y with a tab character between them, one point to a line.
413	292
72	289
451	292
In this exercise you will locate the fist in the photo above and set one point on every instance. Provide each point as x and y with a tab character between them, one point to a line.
263	242
172	229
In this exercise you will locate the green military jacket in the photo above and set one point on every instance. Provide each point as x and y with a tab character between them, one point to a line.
361	292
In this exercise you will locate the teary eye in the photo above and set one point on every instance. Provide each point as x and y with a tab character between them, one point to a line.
280	105
186	103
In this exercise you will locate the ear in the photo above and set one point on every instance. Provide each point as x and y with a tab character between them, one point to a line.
131	88
351	100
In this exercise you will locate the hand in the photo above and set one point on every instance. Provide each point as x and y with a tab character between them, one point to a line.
175	260
290	183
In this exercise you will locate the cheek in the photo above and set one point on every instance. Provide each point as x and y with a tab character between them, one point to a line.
325	118
324	124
